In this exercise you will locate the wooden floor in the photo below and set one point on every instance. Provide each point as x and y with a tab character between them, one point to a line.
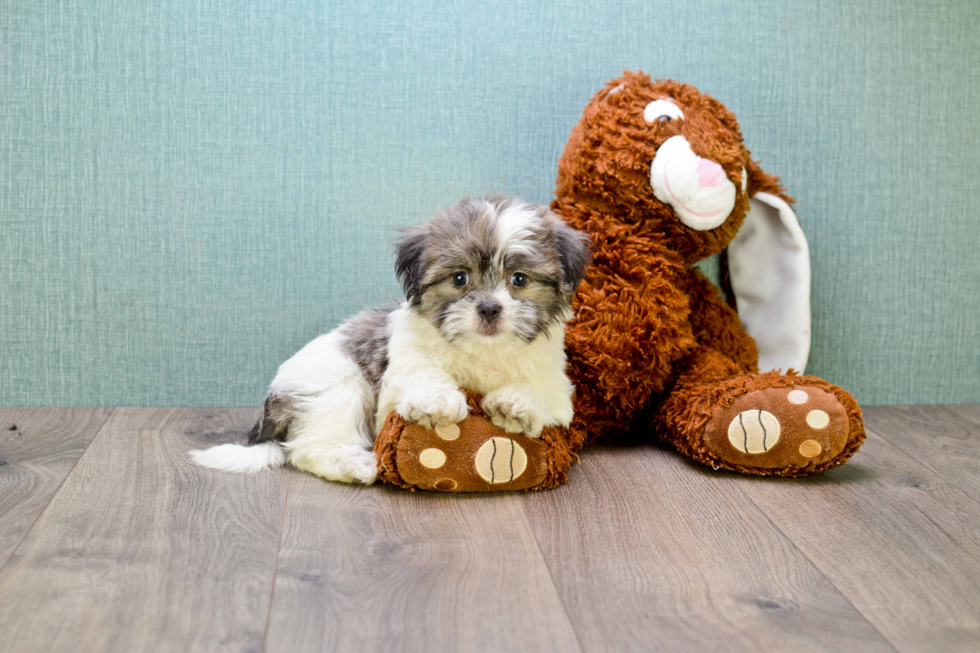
110	540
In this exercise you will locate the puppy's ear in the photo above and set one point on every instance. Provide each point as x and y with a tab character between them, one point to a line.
573	253
410	259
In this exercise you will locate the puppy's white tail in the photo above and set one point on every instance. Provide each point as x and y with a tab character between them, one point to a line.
241	459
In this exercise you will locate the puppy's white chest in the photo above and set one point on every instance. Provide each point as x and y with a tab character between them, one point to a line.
486	373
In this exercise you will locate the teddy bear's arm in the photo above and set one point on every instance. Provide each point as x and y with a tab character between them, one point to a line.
716	324
631	327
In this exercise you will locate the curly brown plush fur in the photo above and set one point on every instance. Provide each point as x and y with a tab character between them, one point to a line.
653	348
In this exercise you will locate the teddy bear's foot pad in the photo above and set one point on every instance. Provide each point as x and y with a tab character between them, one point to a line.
470	456
772	428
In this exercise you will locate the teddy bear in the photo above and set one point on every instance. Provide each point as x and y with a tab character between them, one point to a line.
657	174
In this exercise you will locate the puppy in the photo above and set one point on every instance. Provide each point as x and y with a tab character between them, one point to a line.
488	285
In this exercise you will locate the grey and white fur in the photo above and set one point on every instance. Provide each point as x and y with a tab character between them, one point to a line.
488	285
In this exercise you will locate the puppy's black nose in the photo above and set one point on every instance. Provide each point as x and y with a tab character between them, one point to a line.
489	310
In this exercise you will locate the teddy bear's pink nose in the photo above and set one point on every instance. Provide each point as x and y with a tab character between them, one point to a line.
710	173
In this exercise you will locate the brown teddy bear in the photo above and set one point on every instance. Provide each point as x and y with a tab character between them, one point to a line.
657	174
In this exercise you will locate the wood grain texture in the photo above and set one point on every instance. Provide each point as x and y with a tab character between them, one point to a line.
142	551
650	553
38	448
969	412
898	540
642	550
381	569
946	439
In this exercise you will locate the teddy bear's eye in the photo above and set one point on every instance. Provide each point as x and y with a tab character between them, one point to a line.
662	111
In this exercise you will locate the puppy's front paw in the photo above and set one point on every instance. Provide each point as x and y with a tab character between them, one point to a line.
514	412
432	407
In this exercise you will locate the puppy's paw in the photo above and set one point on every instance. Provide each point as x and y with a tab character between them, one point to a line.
342	463
514	412
433	406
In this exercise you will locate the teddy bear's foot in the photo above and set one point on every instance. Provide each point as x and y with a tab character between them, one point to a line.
792	430
472	455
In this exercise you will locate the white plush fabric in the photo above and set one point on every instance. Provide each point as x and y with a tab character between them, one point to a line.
697	188
769	263
661	109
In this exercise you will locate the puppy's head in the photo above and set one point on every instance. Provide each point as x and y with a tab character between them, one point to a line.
492	269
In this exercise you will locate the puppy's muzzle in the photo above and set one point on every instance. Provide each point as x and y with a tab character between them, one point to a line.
489	311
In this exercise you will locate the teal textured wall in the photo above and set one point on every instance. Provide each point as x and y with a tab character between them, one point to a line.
189	191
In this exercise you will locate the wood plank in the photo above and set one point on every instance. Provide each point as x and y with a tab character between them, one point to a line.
382	569
141	550
38	447
967	411
943	438
651	553
900	542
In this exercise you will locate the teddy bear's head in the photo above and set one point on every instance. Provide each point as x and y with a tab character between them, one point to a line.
661	159
665	158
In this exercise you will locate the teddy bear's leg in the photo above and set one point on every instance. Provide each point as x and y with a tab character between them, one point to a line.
717	326
471	456
765	424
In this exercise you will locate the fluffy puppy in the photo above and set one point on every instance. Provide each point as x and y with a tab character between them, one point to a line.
488	285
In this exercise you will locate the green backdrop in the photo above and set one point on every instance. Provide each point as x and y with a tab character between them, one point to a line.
189	191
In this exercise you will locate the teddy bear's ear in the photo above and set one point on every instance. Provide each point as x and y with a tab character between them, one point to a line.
761	181
769	269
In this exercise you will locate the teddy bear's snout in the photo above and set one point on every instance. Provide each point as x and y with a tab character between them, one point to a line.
698	189
710	174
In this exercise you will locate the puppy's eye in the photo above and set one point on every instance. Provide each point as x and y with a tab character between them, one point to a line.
519	279
662	111
460	279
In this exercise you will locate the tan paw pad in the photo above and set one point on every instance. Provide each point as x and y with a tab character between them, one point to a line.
445	484
448	432
754	431
797	397
432	458
500	460
817	419
810	449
